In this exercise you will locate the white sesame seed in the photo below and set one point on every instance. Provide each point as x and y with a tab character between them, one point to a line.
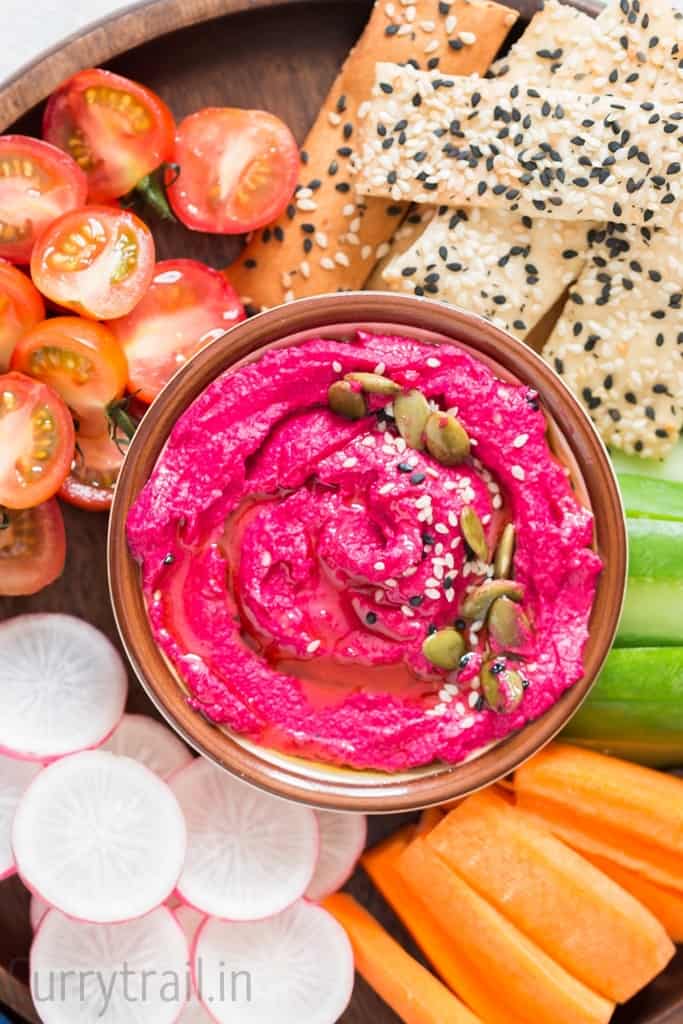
350	462
438	548
289	296
518	472
379	566
441	528
368	440
379	596
363	109
520	440
431	582
434	595
432	45
410	14
342	259
304	193
473	699
424	501
433	362
407	611
313	646
306	205
425	516
326	263
349	209
266	559
321	239
305	268
450	23
386	488
334	118
497	501
382	250
391	583
366	252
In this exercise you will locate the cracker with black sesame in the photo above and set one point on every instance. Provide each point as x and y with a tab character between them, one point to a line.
328	239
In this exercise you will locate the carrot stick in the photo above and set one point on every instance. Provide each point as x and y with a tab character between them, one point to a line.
414	994
429	819
581	918
459	973
533	986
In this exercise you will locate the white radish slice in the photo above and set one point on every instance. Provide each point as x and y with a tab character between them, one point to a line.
342	840
63	686
249	854
37	911
100	837
293	968
190	921
149	742
130	973
15	777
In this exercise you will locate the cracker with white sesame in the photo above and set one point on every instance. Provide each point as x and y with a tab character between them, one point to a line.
507	268
526	150
619	341
410	230
539	55
328	239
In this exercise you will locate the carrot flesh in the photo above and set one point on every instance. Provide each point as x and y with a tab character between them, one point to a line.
429	819
412	992
665	904
638	801
458	972
581	918
535	988
588	835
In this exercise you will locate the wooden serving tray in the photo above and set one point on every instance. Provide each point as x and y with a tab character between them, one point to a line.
281	55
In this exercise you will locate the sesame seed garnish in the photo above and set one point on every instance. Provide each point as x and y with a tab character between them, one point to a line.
518	472
313	646
520	440
350	462
441	528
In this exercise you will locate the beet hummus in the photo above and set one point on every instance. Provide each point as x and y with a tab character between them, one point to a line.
364	552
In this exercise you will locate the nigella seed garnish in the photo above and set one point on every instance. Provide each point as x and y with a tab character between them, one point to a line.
169	559
371	618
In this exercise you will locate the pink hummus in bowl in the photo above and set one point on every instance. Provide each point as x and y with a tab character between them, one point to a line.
332	585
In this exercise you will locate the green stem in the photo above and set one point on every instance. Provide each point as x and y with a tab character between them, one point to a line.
150	191
121	423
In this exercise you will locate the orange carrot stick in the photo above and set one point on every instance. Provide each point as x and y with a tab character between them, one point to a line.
403	983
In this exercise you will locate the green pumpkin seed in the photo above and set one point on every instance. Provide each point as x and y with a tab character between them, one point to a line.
503	688
444	648
346	401
507	623
374	383
411	412
447	439
477	603
502	563
473	532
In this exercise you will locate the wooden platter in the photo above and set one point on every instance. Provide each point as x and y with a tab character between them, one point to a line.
281	55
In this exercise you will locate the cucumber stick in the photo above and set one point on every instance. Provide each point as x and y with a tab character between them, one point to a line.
635	709
653	610
649	497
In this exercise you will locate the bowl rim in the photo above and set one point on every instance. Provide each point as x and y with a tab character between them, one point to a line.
381	792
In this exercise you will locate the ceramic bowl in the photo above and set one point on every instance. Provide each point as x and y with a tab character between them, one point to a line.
573	439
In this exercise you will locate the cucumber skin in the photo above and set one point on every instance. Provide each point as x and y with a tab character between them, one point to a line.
635	709
653	609
647	497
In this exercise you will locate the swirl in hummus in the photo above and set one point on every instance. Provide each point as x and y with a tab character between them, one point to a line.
377	591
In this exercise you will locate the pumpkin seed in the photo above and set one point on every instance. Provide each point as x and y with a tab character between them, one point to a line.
411	412
447	439
502	563
477	603
503	688
374	383
444	648
473	532
346	400
507	623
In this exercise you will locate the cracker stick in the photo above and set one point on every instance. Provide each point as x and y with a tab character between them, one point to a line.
328	240
560	154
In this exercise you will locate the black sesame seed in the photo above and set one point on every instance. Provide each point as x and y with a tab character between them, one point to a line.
428	539
391	30
448	583
416	600
418	478
279	234
371	618
385	87
308	245
343	186
169	559
291	211
250	264
432	629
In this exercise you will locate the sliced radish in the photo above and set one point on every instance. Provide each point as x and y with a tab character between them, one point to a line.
100	837
149	742
190	921
62	686
293	968
15	777
249	854
342	840
38	910
114	973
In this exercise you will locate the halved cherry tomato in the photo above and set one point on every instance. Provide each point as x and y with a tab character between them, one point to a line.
96	261
82	361
38	183
238	170
187	305
36	441
21	308
116	130
94	471
32	549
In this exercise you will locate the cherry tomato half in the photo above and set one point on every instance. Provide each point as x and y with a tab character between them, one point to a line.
238	170
32	549
21	308
38	183
187	305
82	361
36	441
94	470
96	261
116	130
